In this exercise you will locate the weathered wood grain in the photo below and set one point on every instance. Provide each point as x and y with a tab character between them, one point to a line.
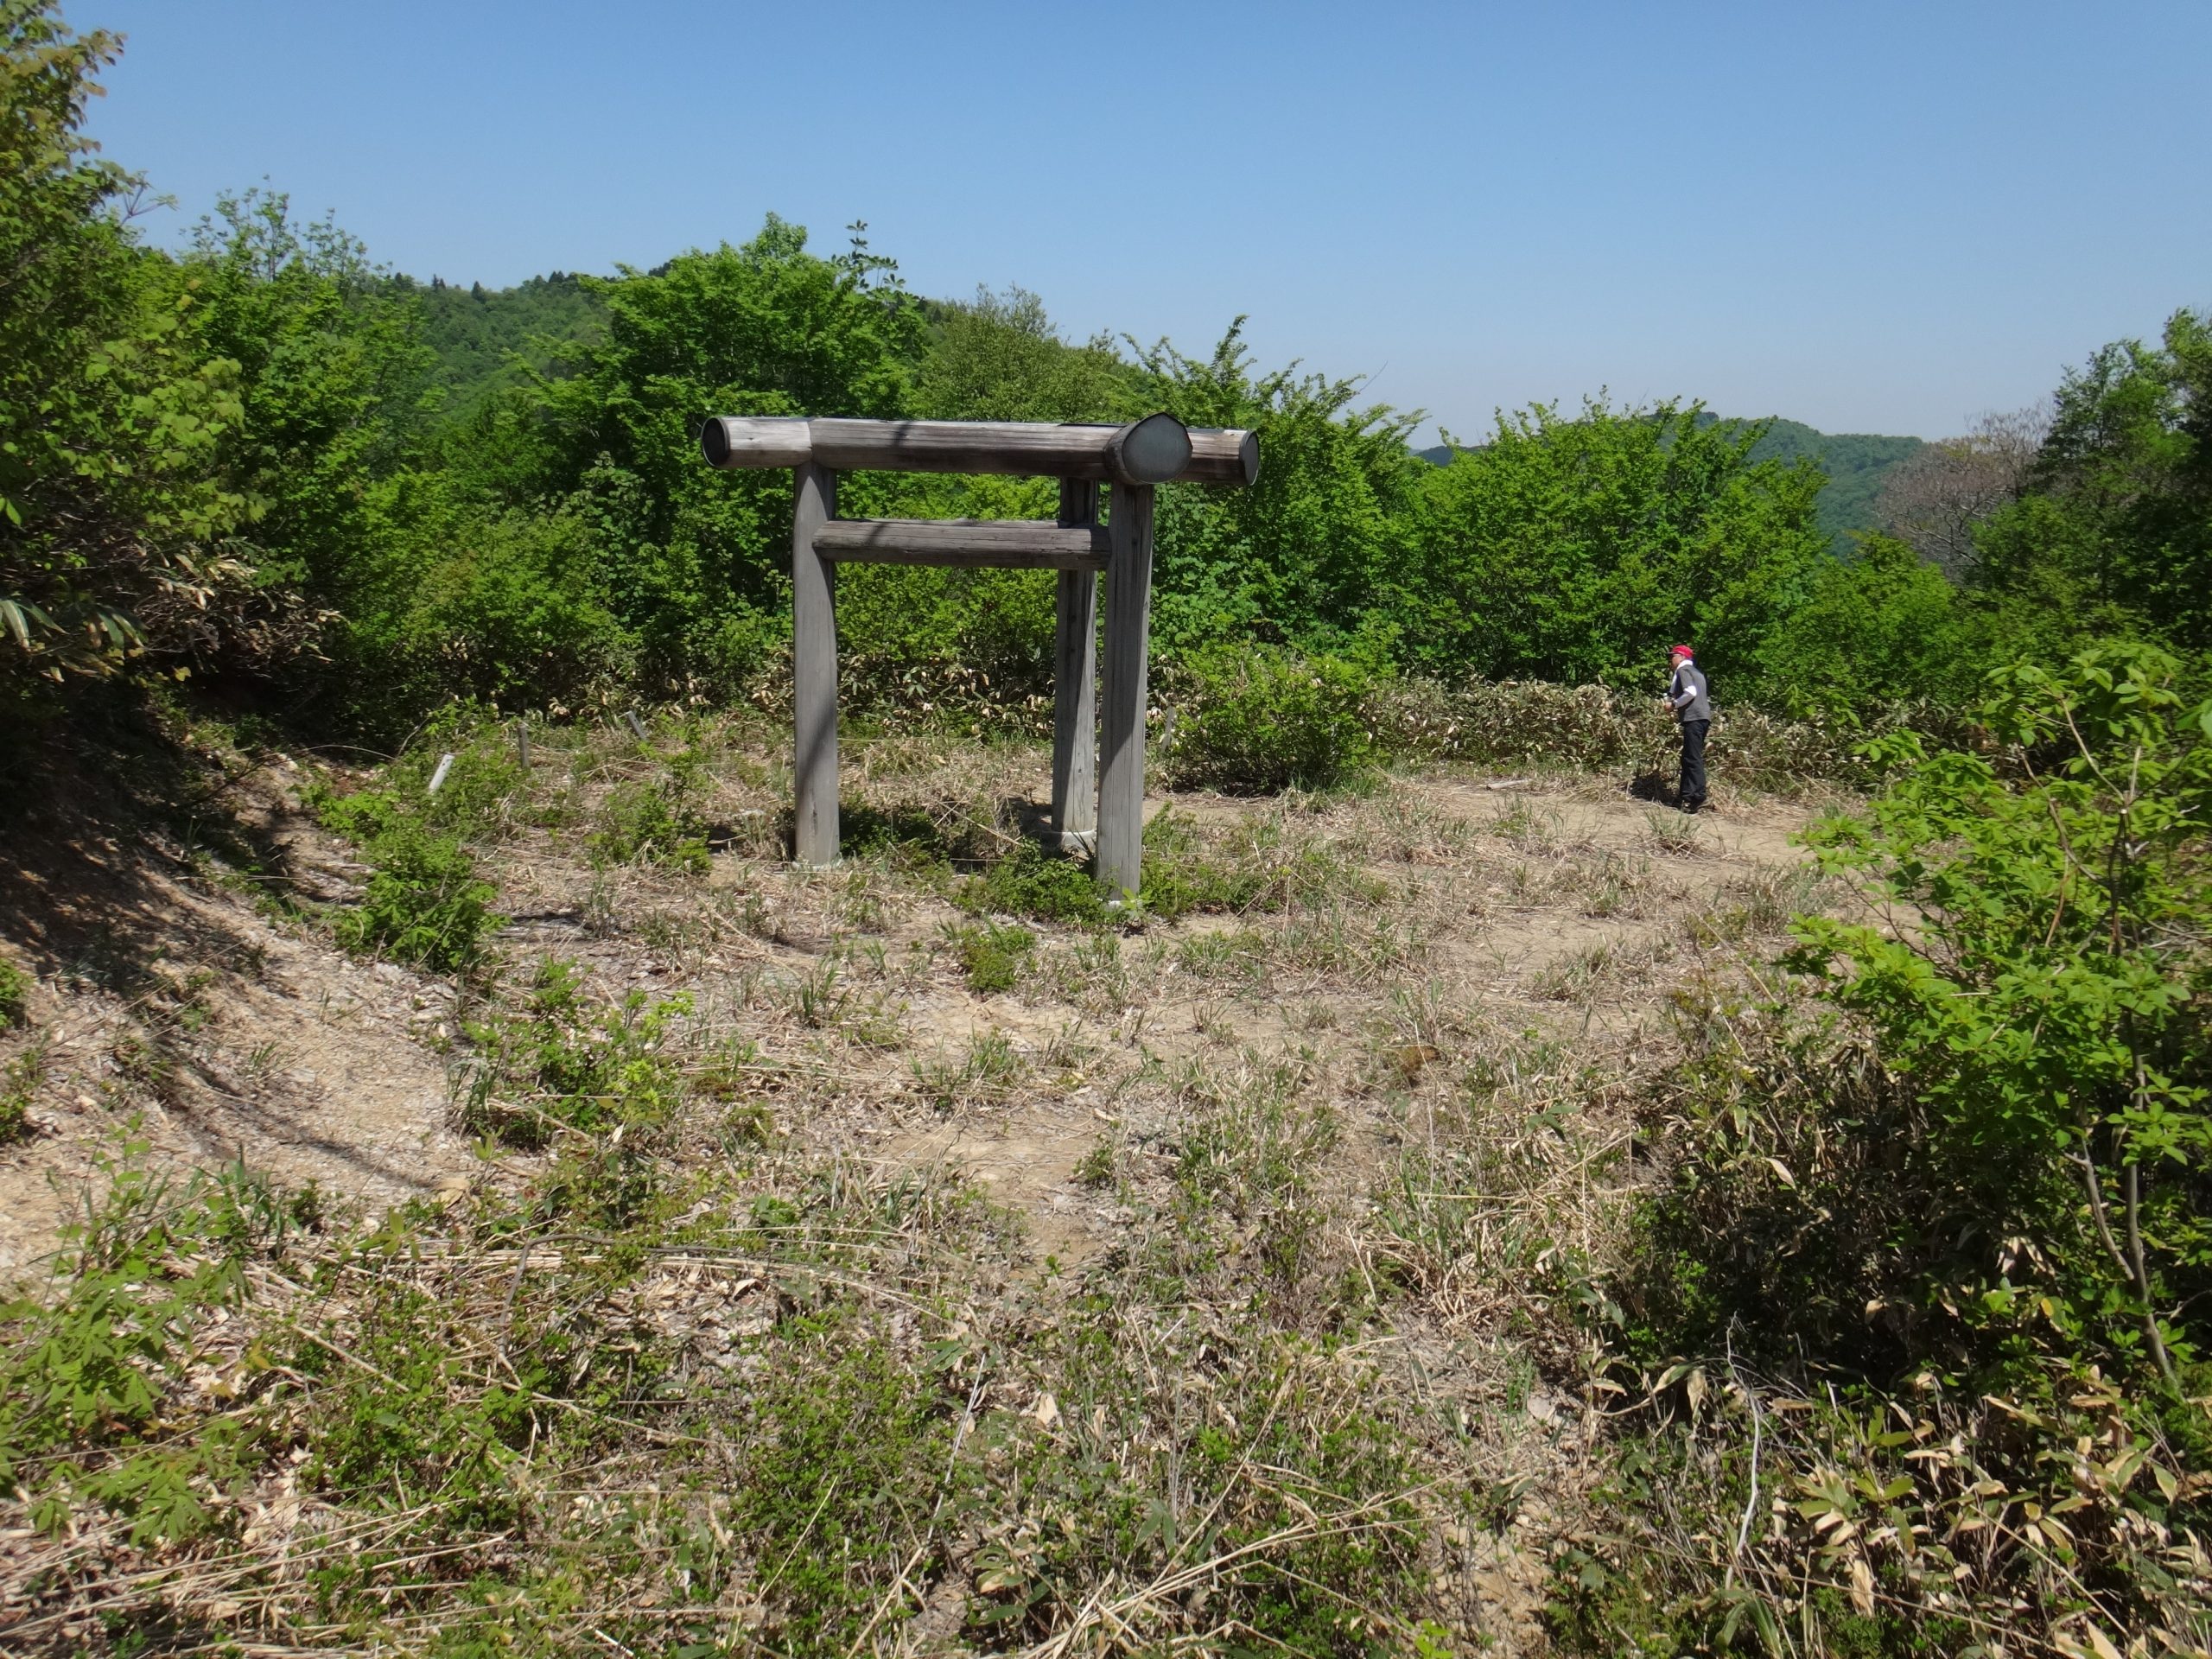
1020	544
1157	450
1129	607
1075	683
813	673
1222	455
743	442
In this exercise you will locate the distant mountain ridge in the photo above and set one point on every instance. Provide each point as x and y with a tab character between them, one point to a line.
486	339
1856	463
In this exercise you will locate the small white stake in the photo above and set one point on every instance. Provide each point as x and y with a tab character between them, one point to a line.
438	777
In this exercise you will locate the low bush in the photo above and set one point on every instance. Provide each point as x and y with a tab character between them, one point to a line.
564	1061
1182	875
14	995
1256	720
480	788
2050	1006
906	837
85	1368
1932	1234
846	1455
1516	723
1299	1557
1883	1402
1260	870
644	822
425	902
19	1079
424	906
1031	882
992	956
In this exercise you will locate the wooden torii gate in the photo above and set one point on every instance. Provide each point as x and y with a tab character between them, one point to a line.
1131	461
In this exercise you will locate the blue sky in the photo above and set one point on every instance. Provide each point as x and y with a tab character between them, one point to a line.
1872	218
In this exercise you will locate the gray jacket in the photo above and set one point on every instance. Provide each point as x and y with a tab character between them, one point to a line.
1687	692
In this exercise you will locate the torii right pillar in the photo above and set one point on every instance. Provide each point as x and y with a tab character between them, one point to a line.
1119	866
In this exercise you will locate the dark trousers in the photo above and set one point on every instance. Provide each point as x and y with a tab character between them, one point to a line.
1692	792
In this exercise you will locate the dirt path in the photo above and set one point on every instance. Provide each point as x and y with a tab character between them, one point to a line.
170	1010
233	1036
1506	899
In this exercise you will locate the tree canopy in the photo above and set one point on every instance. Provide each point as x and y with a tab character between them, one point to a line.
266	458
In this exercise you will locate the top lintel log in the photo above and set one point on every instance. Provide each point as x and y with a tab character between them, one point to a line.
1157	450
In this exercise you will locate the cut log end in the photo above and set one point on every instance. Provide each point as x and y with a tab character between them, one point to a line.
1149	451
731	442
1224	454
714	442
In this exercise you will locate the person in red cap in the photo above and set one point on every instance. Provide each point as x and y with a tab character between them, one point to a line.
1693	707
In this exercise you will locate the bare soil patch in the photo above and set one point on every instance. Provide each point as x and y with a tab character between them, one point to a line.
169	1007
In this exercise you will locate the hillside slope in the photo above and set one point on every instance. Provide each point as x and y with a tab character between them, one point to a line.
484	339
1856	463
873	1204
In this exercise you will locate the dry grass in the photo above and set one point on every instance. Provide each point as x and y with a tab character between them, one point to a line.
1220	1283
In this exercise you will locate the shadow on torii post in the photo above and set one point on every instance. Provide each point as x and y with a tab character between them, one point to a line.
1132	460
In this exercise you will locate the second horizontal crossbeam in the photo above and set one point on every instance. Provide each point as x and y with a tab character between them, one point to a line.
1019	545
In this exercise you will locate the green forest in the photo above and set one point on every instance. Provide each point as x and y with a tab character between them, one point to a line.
1896	1339
1852	465
263	461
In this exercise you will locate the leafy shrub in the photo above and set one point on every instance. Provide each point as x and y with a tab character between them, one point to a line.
1958	1209
1255	720
18	1078
84	1370
2007	1148
460	598
1572	545
484	777
563	1062
640	821
1029	881
991	955
15	994
1880	618
103	564
2050	1009
1799	1284
848	1452
425	904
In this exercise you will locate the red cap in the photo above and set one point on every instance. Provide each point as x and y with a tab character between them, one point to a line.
1682	650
